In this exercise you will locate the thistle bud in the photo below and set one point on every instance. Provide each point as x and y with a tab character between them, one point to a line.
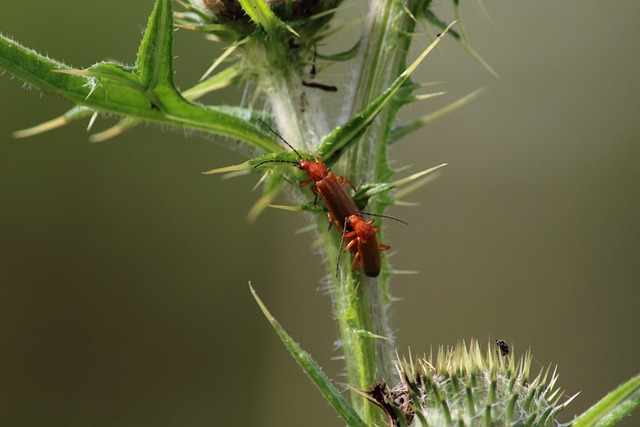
462	386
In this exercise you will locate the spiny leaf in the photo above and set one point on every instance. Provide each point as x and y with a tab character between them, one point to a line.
221	80
154	64
613	407
313	371
35	69
146	93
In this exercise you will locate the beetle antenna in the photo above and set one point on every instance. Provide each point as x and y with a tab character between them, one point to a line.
385	216
279	136
274	161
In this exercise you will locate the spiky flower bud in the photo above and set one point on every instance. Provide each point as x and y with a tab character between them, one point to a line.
463	387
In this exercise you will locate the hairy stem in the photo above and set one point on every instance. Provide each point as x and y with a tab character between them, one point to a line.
361	303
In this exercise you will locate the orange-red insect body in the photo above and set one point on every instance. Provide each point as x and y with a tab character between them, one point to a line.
330	187
359	234
367	249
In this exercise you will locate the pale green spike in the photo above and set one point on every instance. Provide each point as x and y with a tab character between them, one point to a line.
369	334
417	175
92	120
324	13
526	369
546	376
233	168
479	360
419	184
426	96
263	202
73	114
554	395
416	124
221	80
404	272
227	52
407	204
122	126
289	208
568	401
464	41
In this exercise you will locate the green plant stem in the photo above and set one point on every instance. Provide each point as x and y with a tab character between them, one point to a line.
389	30
361	303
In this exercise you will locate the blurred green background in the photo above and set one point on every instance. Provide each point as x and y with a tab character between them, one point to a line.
123	270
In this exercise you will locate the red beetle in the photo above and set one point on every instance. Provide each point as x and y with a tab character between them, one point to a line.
327	184
365	242
331	188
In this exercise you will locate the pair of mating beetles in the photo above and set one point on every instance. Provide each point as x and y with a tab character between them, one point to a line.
358	233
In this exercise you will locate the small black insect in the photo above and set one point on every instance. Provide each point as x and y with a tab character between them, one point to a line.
504	348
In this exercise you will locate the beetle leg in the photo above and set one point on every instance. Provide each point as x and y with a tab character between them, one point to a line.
356	259
344	181
351	242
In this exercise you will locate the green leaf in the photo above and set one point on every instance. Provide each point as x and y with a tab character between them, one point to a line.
613	407
143	93
313	371
33	68
154	64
